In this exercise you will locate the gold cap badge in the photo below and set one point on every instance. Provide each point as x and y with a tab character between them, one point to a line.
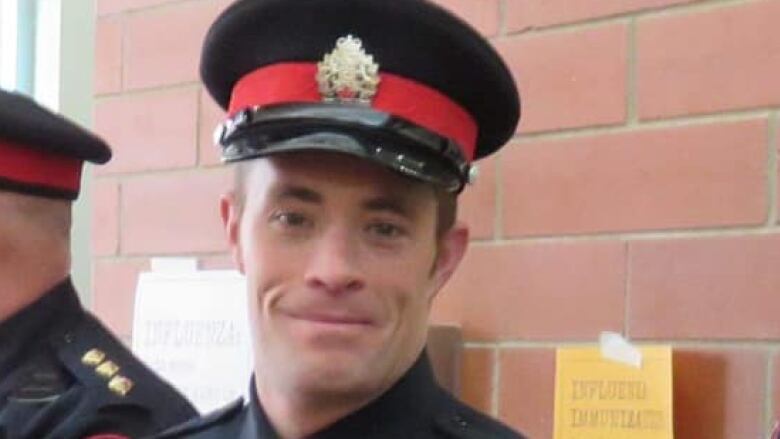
348	73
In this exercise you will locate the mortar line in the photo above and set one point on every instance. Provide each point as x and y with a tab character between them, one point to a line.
679	121
570	27
659	11
480	344
122	49
691	7
632	117
173	172
772	169
149	8
148	256
502	18
766	345
627	293
768	403
197	127
178	86
120	207
495	383
498	217
713	232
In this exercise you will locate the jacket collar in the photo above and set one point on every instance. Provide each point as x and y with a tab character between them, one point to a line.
402	411
29	328
23	335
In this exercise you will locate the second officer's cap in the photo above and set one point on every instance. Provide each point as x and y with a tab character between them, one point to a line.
401	82
42	153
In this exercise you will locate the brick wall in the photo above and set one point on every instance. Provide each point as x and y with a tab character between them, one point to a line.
640	196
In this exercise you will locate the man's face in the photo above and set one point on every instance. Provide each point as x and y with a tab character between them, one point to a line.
342	262
28	222
34	248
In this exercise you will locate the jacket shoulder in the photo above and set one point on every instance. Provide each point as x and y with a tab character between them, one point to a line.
198	427
116	378
79	380
460	421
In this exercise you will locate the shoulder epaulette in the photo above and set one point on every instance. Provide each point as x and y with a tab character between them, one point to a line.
195	425
102	362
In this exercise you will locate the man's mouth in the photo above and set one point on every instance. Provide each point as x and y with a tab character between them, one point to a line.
336	319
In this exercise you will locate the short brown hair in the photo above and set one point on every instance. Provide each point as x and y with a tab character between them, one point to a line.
447	211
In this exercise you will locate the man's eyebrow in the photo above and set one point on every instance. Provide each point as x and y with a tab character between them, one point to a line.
299	193
396	205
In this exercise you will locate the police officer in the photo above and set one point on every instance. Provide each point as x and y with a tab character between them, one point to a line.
354	125
62	374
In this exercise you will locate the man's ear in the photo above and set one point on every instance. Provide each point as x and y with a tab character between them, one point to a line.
452	248
230	212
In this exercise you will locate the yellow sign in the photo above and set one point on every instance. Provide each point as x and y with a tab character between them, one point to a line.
597	398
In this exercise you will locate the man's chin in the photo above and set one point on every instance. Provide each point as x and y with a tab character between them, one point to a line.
313	336
334	376
334	346
335	360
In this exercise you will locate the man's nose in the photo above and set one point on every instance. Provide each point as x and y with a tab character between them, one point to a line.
334	266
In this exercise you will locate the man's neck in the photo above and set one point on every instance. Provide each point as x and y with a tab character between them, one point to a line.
23	283
297	418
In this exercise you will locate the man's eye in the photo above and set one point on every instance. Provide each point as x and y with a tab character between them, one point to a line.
291	219
386	230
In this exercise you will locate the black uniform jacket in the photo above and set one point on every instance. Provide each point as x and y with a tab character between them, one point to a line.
415	408
63	376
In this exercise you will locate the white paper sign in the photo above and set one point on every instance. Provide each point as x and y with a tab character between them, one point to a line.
191	328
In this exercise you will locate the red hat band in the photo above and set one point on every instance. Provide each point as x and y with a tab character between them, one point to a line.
401	97
37	168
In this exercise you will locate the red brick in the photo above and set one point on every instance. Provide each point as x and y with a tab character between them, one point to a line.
695	176
476	378
525	14
477	203
482	14
173	214
108	55
719	394
149	131
734	279
105	7
162	46
703	62
114	283
211	115
527	390
105	217
539	291
570	79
